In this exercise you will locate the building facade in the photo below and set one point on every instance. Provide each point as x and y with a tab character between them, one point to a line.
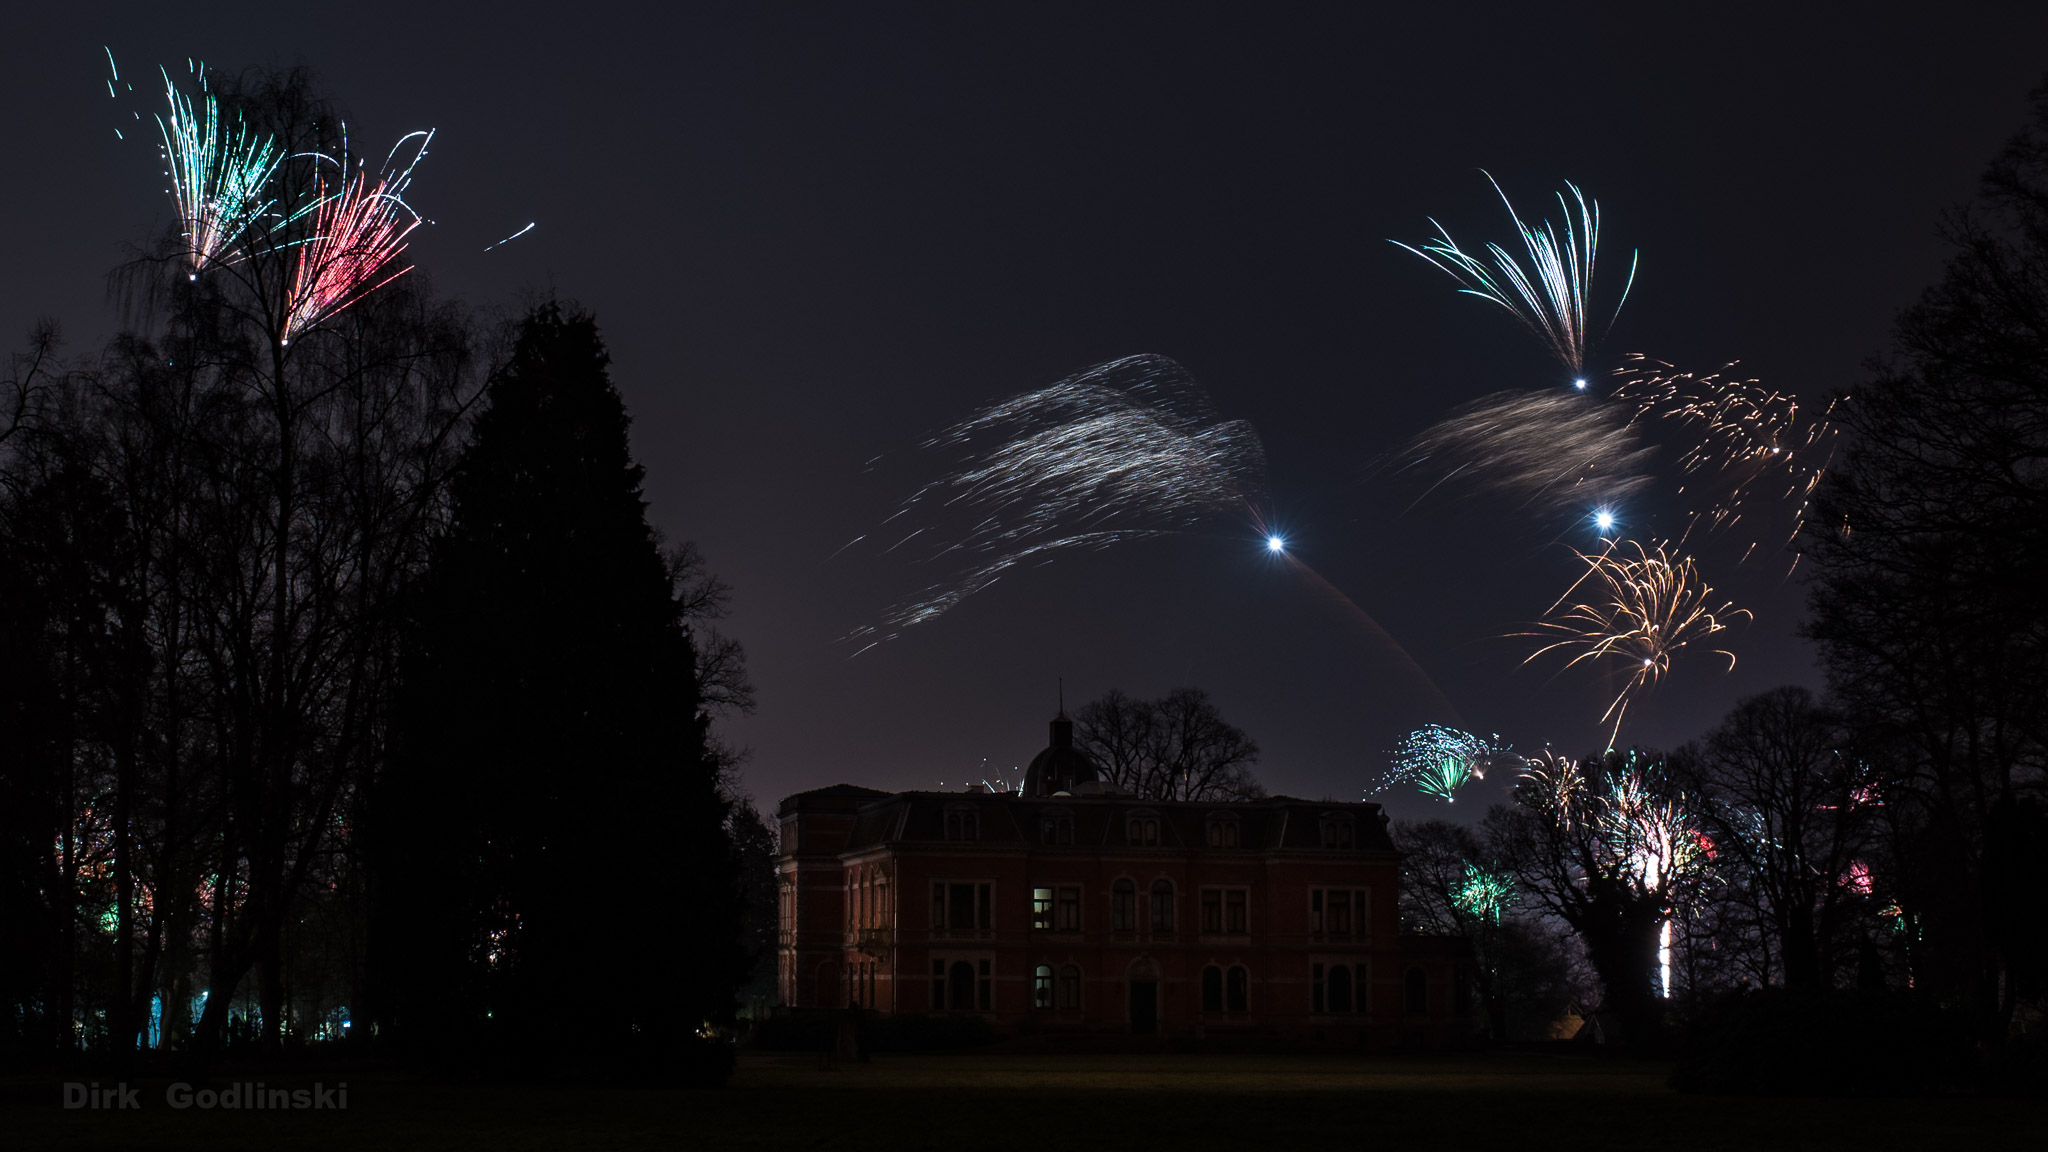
1074	907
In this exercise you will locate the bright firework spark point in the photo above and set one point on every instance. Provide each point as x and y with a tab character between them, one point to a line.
1275	544
1549	298
1579	384
1603	520
1647	607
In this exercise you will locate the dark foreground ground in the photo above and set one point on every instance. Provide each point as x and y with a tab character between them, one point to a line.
1048	1102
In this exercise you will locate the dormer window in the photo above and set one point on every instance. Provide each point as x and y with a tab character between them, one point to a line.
1223	831
1142	829
1056	828
962	823
1337	831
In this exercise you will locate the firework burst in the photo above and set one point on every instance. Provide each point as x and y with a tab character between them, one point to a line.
1745	440
1549	297
359	229
218	170
1440	760
1549	452
1644	608
1485	893
1125	450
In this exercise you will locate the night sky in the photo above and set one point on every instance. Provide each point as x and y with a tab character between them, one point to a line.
816	236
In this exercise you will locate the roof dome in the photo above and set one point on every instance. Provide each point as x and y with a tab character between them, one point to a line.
1061	766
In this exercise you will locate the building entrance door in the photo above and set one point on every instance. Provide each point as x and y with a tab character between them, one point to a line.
1144	1007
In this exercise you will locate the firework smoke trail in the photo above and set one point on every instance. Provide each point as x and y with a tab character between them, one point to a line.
358	230
217	173
1744	437
1125	450
1440	760
1644	609
1549	297
1548	451
1485	893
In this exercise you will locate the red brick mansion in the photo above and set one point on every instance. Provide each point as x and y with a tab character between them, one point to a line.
1073	906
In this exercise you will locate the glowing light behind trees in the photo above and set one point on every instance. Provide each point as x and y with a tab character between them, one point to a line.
1485	894
1549	297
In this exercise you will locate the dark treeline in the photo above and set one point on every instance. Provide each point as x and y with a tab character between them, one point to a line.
1836	883
345	687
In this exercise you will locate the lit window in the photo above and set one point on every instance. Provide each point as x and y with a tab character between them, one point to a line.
1041	986
1162	905
1041	907
1123	906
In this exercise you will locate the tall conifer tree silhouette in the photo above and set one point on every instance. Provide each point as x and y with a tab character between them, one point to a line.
557	885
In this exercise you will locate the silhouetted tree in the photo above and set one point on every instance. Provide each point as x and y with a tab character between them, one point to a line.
1791	813
1602	846
1931	538
1524	970
1178	747
557	884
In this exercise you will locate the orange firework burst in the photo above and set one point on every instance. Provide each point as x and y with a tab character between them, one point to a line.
1647	608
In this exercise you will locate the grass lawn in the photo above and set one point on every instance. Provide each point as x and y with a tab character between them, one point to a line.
1511	1102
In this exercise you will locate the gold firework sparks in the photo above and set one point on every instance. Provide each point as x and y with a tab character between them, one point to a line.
1644	607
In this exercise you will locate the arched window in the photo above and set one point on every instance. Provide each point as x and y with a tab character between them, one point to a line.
1041	986
1141	829
1223	831
960	987
1340	989
1337	830
1234	988
1162	905
1056	828
1070	988
1212	989
1417	992
962	823
1123	906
